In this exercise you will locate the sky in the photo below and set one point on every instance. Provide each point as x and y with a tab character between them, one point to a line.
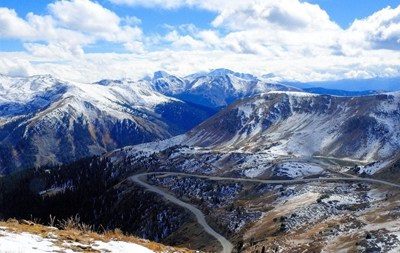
290	40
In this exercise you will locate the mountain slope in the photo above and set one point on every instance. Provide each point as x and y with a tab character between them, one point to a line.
44	120
300	124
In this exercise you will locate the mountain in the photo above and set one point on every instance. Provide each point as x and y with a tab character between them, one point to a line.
302	125
216	89
377	84
167	84
263	172
44	120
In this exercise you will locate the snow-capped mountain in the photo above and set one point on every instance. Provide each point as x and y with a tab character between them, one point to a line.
44	120
217	88
303	125
167	84
21	95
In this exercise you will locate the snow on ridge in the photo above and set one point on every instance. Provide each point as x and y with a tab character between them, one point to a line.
23	95
294	93
23	89
297	169
124	92
146	149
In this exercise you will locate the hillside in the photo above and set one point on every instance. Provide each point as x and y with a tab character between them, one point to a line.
303	125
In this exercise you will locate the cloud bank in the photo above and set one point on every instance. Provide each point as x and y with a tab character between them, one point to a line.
292	39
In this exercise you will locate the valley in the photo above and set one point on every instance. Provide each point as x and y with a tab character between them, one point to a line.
188	126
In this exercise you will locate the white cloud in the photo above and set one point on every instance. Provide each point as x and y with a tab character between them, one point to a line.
15	64
55	51
135	47
46	30
285	14
71	25
166	4
293	39
132	20
212	5
84	16
94	20
11	26
378	31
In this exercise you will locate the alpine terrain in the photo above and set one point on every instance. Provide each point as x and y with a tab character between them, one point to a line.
270	169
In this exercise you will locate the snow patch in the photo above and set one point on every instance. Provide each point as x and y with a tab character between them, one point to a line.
26	242
372	168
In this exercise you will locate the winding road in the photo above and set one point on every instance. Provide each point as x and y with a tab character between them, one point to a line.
227	246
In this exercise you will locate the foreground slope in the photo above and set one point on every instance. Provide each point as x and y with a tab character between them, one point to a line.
26	236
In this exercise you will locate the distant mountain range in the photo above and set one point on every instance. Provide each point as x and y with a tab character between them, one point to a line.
357	85
44	120
217	88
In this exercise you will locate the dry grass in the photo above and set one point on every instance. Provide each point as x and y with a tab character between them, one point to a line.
73	231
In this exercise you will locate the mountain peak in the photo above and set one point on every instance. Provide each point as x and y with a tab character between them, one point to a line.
221	72
160	74
224	72
106	82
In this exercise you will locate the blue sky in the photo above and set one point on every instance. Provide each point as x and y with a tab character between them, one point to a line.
292	40
344	12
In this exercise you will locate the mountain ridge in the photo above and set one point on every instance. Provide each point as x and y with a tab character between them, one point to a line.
40	114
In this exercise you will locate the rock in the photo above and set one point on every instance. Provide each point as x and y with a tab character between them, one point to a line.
26	222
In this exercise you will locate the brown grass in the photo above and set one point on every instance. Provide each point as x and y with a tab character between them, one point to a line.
73	232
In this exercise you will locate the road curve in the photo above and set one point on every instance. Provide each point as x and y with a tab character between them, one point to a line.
278	181
227	246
